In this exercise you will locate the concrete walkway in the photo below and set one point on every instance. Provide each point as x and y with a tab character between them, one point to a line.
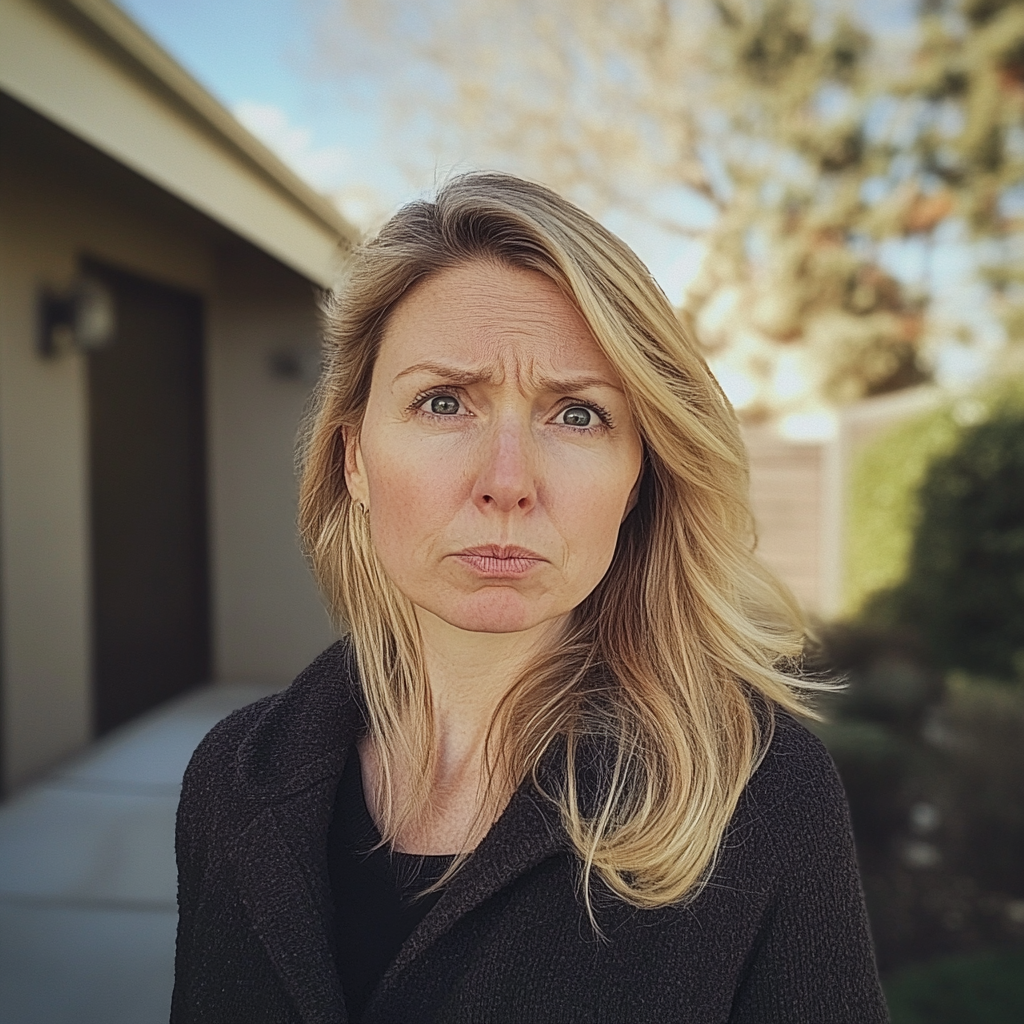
87	876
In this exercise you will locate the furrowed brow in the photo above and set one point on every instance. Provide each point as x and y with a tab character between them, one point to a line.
575	382
449	374
467	378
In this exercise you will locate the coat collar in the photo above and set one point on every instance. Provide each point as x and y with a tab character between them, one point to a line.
289	764
287	768
304	733
527	833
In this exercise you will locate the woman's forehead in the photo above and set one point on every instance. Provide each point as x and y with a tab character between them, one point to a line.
486	321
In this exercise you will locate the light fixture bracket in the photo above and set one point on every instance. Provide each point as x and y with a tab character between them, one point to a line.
82	318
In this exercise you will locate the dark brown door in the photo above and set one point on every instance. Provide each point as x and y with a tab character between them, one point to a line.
147	460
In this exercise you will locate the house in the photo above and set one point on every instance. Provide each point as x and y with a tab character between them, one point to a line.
159	280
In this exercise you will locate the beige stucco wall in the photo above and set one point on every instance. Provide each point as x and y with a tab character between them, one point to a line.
268	620
53	207
43	538
59	200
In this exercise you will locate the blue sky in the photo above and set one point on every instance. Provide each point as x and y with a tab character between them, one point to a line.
240	49
256	57
257	53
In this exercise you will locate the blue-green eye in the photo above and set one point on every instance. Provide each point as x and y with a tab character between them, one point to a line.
577	416
444	405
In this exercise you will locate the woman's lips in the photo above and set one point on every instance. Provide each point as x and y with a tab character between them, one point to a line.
500	561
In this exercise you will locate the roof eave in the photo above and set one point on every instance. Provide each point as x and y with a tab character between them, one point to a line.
127	42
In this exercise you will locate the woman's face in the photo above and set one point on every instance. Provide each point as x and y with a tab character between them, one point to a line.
497	455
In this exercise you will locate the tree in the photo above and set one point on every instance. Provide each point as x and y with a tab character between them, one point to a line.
769	128
793	286
968	80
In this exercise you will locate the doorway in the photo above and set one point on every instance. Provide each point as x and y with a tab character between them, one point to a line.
147	445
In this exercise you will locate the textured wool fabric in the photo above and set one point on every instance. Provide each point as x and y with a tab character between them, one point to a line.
778	935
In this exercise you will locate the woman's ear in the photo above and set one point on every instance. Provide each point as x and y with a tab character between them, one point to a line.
355	471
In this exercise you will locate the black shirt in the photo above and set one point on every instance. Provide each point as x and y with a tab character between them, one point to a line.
376	891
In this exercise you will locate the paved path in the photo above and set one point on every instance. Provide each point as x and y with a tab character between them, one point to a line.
87	878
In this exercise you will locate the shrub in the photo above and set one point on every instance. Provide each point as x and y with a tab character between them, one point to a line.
934	774
882	502
986	988
928	736
964	587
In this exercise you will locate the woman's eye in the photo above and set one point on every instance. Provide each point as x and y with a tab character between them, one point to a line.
444	405
577	416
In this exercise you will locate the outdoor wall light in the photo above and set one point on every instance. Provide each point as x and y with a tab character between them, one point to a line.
81	319
296	364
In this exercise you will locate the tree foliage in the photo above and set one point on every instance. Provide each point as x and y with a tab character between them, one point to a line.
792	142
968	79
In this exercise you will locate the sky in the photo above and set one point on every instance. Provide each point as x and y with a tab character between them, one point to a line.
255	56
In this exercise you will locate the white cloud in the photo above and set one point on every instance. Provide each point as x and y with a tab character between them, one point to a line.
324	167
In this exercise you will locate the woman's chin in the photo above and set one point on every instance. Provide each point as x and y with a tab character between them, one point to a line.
495	611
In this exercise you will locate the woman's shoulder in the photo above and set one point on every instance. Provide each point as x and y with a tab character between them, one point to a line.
794	757
278	733
795	795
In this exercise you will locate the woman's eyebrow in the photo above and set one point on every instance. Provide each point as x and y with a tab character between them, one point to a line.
543	382
450	374
573	382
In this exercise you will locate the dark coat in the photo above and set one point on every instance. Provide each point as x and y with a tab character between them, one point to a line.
779	934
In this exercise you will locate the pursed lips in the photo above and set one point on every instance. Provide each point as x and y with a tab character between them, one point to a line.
500	560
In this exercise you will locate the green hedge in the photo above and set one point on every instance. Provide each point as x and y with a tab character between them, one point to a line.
935	535
882	508
985	988
964	585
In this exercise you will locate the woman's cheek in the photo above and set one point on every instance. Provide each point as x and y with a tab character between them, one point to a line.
412	489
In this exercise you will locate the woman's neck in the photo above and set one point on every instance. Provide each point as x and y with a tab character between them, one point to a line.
468	675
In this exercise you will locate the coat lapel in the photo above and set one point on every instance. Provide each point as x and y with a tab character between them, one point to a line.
290	912
526	834
290	765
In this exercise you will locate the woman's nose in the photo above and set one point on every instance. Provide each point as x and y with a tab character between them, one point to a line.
506	475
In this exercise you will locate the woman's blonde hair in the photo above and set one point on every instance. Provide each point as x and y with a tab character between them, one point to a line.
669	670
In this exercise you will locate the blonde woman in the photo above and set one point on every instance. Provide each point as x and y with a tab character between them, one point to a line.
552	773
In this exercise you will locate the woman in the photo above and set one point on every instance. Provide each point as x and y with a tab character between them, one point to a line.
552	774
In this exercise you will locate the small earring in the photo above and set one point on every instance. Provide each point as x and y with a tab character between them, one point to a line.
365	509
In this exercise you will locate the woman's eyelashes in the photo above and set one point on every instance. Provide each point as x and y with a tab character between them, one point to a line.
440	402
578	415
584	416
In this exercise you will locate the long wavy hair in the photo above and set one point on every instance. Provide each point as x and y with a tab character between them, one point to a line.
671	668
